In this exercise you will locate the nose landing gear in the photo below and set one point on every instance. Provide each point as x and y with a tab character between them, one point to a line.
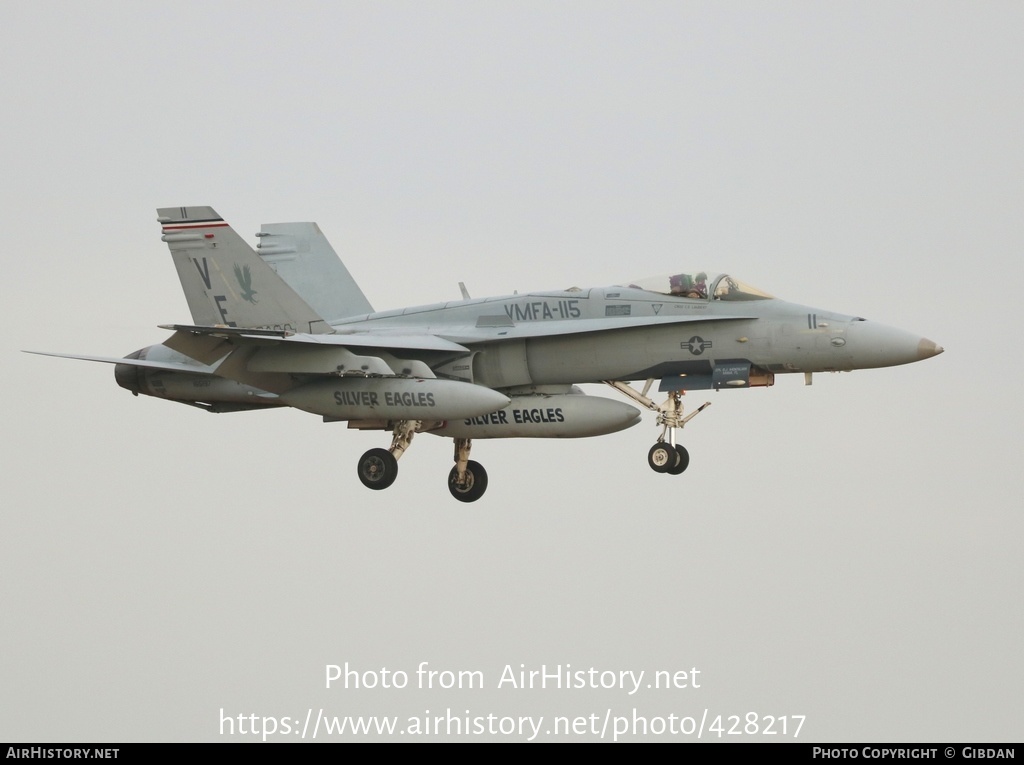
666	456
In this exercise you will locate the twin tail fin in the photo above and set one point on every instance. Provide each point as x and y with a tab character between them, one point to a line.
225	282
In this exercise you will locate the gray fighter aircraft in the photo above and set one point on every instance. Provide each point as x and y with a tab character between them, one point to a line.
286	325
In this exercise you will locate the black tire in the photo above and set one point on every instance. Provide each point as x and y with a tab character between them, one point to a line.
476	482
661	457
682	461
378	469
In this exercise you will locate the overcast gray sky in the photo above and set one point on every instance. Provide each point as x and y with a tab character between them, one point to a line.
848	552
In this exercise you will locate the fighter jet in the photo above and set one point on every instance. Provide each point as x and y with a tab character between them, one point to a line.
285	324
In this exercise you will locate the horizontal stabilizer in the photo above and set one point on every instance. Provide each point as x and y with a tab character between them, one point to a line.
168	365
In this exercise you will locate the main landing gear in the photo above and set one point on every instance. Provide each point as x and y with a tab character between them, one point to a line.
468	480
666	456
378	468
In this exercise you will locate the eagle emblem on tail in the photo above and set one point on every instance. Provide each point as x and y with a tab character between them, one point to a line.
244	276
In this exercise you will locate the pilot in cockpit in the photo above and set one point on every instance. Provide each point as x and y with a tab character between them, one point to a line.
685	285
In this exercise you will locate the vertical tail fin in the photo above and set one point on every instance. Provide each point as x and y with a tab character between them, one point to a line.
302	256
225	281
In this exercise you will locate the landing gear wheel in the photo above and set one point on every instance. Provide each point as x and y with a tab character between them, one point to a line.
475	486
682	461
378	469
661	457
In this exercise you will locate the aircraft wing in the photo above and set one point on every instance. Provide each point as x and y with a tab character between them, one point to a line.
408	339
247	352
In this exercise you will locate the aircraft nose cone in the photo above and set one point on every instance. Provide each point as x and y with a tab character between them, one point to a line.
876	345
926	349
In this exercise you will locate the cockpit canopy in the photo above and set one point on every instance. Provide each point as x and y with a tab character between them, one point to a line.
697	285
